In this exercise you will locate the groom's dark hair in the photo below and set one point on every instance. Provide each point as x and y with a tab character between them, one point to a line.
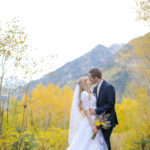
96	72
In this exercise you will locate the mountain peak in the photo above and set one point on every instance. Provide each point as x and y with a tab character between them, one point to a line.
99	46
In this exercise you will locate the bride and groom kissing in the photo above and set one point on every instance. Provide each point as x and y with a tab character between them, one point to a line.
86	105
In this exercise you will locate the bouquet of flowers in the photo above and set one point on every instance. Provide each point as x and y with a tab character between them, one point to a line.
101	121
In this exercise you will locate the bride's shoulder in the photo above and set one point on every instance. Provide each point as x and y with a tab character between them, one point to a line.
84	93
84	96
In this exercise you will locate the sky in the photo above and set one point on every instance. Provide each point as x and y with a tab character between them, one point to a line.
71	28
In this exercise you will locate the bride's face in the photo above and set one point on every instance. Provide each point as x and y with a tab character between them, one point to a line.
89	82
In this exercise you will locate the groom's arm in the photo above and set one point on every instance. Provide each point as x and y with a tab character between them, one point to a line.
110	101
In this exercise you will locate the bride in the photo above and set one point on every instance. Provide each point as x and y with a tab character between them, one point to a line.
82	125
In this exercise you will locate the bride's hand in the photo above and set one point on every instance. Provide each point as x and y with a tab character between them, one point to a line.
95	130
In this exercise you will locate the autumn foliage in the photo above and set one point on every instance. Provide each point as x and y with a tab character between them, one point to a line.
47	120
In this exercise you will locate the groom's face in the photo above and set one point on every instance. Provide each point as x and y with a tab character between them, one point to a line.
92	79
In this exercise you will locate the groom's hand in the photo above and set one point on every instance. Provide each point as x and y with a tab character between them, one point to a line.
92	111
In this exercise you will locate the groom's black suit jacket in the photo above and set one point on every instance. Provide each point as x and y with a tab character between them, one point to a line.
106	102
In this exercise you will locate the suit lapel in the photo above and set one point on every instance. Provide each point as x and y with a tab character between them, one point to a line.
96	91
101	91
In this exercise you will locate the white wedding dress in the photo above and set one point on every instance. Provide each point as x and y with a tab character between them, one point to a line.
82	139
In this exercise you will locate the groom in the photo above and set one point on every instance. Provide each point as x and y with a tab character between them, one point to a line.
105	94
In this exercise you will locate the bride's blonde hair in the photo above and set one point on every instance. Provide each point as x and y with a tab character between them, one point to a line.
83	87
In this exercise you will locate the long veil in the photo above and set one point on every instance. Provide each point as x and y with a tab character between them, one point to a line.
75	115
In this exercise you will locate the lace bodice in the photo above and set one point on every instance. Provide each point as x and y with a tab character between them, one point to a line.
88	102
